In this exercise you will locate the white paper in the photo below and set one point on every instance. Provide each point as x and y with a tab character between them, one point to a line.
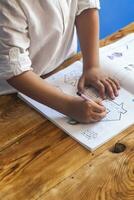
120	111
117	59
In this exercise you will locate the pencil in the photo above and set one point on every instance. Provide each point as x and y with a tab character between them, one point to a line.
83	96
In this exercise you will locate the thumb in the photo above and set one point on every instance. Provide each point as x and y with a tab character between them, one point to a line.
81	84
99	101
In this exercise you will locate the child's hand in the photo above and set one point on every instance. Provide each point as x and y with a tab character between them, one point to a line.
99	80
85	111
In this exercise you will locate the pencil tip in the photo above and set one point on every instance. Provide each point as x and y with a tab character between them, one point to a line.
78	93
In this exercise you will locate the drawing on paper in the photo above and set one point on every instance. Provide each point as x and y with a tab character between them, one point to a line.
89	134
115	55
114	111
129	68
72	78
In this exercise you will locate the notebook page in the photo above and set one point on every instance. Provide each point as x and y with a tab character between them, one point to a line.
117	59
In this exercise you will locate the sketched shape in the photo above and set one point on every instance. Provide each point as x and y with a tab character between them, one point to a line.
89	135
115	111
115	55
72	78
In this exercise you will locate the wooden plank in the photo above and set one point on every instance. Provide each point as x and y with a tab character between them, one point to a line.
15	119
108	177
117	35
40	160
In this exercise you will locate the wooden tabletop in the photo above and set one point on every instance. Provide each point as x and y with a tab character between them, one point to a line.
38	161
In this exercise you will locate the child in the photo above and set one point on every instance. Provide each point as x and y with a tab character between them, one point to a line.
36	36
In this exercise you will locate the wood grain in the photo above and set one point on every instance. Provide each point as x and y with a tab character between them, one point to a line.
116	36
41	160
38	161
15	119
110	176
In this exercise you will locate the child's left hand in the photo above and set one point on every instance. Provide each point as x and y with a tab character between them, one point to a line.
98	79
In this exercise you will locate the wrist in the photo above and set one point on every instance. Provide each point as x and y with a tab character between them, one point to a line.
87	64
91	60
89	67
70	105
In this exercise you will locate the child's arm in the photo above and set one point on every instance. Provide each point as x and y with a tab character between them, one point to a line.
33	86
87	24
15	66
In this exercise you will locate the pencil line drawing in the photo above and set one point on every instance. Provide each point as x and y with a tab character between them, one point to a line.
115	55
115	111
89	134
129	67
72	78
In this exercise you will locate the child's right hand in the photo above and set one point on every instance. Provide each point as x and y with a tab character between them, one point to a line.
85	111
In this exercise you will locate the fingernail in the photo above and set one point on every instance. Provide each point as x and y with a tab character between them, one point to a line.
117	94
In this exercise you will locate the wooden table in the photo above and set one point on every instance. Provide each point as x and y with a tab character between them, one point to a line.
38	161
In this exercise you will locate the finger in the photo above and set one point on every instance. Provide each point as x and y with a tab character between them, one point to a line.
98	116
116	82
109	89
114	86
101	88
81	84
99	101
96	107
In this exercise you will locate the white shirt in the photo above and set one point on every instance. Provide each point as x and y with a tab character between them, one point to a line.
37	35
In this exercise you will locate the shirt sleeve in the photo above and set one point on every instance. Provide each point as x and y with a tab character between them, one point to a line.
85	4
14	40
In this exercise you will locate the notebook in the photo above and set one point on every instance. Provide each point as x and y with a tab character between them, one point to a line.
117	60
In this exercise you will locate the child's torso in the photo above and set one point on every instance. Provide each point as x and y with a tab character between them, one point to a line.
51	31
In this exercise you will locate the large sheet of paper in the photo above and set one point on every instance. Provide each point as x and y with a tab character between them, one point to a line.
120	112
